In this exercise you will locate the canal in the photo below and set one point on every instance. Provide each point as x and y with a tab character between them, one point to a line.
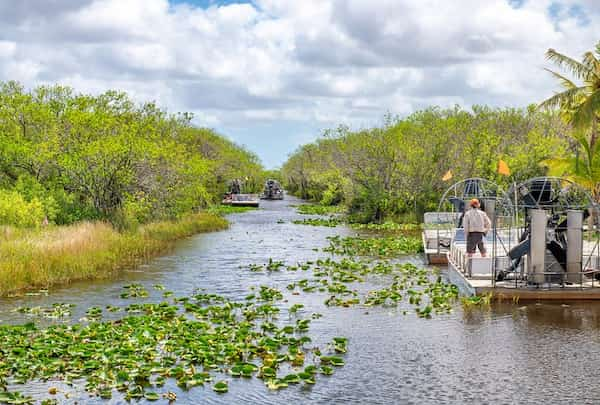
509	353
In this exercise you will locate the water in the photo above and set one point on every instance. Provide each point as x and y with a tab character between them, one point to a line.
524	352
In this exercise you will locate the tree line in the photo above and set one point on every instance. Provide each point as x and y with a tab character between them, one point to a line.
398	169
67	156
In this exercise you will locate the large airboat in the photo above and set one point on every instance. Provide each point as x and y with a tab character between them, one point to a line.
544	241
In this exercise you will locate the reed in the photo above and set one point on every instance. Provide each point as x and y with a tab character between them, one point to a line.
41	258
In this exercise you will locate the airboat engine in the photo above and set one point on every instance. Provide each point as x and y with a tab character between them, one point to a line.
548	217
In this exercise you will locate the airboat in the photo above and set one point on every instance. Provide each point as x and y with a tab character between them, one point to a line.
441	227
235	197
272	190
241	200
544	244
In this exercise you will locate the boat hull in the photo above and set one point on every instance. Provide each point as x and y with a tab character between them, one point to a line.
242	200
503	291
244	203
436	258
434	255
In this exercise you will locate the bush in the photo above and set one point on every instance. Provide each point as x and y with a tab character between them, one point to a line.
15	210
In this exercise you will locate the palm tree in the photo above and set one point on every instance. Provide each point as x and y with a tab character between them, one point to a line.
584	171
579	106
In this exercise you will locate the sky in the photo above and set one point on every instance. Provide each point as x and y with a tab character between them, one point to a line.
274	74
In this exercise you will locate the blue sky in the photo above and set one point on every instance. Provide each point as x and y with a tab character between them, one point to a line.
273	74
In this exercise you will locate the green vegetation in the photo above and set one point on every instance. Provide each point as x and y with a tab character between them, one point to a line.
209	338
124	181
476	301
379	246
388	227
40	258
317	209
70	157
406	283
579	105
228	209
395	171
329	222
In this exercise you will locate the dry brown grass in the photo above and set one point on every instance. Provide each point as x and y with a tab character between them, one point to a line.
89	250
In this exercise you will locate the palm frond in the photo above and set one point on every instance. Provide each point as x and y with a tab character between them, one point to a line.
590	60
559	166
564	81
564	98
577	69
587	111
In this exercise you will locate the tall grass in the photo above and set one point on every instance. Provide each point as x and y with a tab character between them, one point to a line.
89	250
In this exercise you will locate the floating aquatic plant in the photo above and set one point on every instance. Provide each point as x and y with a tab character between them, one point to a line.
56	311
408	283
134	290
387	227
192	341
476	301
329	222
379	247
314	209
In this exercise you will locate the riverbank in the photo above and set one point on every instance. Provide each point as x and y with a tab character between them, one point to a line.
39	259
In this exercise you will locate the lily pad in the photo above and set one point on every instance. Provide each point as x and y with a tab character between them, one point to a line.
221	387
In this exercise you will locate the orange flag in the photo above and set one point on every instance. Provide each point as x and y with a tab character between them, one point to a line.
503	168
447	176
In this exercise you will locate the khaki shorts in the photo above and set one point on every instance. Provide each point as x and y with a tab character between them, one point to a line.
474	241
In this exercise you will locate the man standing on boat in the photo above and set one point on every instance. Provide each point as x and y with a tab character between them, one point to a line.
476	224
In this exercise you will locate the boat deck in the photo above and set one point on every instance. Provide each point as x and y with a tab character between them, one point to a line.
508	290
473	276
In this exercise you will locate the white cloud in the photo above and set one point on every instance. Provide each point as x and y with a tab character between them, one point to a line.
315	62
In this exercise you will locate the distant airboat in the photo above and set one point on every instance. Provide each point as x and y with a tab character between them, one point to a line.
272	190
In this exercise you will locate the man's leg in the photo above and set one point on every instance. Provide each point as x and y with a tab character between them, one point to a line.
470	245
481	246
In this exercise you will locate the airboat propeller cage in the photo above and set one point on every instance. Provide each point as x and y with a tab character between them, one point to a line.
459	194
538	246
442	227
